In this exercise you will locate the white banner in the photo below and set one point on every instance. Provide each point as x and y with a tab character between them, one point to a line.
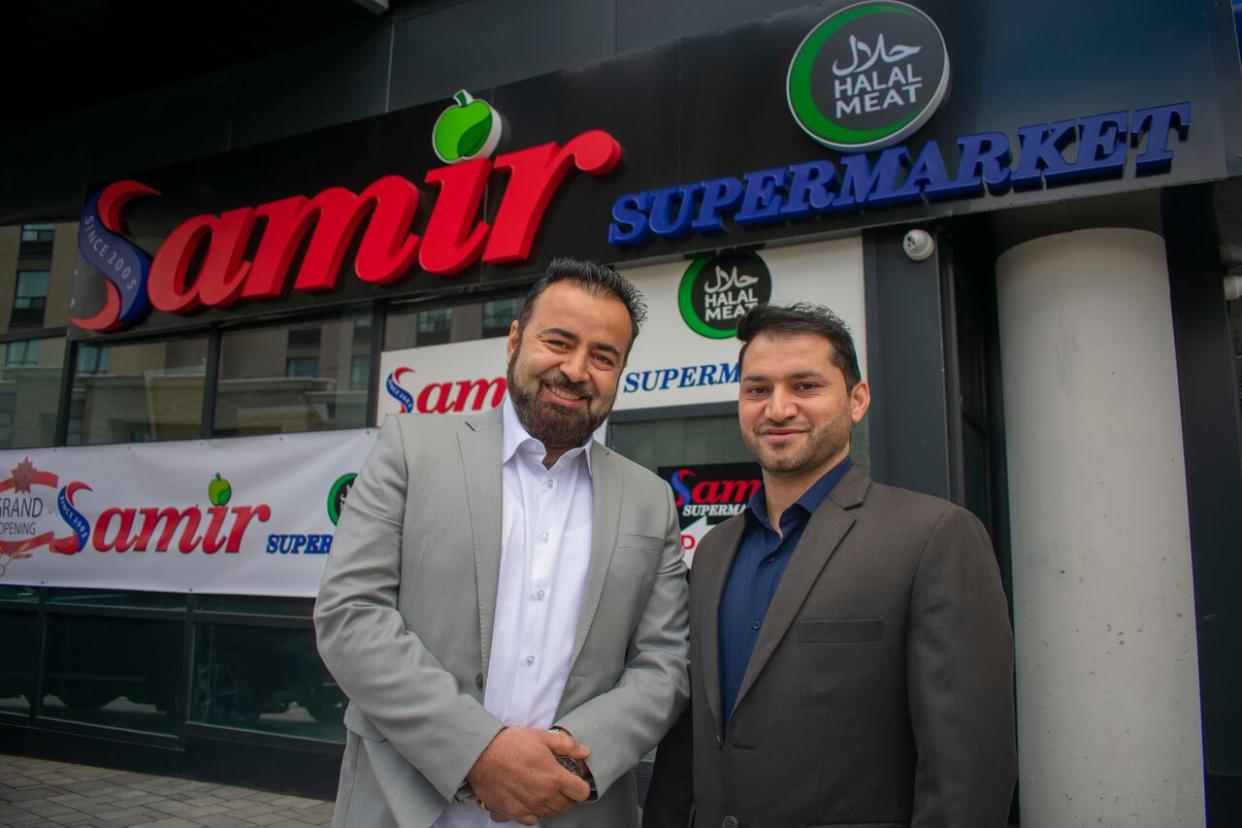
686	353
244	516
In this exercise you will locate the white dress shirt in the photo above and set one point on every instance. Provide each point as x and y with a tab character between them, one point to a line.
545	552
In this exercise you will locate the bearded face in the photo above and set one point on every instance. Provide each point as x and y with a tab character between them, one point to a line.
565	364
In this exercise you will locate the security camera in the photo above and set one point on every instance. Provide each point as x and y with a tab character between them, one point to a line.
918	245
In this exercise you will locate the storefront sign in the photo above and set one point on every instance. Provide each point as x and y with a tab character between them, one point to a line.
671	363
868	76
718	290
249	253
457	378
674	362
709	494
246	516
896	176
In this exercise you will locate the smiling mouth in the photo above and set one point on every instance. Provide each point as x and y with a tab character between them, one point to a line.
780	433
565	395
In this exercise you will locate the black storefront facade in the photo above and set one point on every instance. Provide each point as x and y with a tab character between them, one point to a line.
1034	266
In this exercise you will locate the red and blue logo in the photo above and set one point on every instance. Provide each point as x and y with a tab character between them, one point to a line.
123	265
393	385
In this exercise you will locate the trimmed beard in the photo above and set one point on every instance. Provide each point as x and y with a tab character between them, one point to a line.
822	444
550	424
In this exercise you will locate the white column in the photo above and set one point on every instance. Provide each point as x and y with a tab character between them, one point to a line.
1107	672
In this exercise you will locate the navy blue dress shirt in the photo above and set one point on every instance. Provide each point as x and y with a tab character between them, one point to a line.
757	567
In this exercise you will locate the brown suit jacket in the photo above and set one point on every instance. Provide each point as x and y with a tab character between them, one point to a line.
880	691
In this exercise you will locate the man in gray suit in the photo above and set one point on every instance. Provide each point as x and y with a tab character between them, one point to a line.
505	603
851	655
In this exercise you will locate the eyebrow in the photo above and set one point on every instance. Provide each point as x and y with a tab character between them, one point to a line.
599	346
795	376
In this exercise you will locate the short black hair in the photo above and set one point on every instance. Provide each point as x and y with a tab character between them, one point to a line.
595	279
798	318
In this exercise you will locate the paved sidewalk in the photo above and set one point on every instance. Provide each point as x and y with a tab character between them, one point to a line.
34	792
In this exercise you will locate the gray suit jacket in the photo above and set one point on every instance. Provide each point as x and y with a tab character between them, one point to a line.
880	689
404	619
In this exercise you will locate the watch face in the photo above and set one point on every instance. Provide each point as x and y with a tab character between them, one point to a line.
569	764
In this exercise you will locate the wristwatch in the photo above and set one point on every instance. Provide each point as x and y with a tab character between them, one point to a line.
567	762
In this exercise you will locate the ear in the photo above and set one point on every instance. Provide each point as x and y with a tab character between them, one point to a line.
513	341
860	401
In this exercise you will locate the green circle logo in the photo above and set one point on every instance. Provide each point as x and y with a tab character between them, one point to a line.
716	291
337	494
868	76
470	128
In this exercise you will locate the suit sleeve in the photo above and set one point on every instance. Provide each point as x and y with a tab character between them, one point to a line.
384	669
960	679
620	726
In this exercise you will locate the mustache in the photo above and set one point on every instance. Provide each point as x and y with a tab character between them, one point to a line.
563	382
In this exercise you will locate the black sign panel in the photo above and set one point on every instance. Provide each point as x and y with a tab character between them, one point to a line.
1048	101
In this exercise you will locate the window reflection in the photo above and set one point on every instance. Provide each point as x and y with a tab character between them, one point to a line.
655	443
120	672
410	326
31	298
299	377
130	393
264	678
30	391
37	260
20	633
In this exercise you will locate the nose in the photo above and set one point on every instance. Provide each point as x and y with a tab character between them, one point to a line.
575	366
781	405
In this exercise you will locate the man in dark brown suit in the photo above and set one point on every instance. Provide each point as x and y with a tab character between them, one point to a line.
851	655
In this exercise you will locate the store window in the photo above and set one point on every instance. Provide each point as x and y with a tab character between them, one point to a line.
293	377
681	440
138	392
499	314
30	391
20	631
117	672
435	326
264	678
31	299
410	326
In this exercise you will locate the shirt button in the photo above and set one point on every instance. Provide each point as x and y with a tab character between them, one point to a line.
547	484
544	537
538	596
756	624
530	660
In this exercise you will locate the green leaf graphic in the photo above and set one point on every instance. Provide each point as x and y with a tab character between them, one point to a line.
474	138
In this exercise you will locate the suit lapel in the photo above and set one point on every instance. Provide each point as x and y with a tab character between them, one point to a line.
711	570
606	517
481	446
823	534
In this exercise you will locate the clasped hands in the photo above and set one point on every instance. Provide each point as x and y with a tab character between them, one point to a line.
518	778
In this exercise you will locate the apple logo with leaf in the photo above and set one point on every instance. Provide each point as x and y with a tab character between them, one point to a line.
470	128
219	491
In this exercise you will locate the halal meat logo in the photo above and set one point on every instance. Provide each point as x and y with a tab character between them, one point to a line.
716	292
868	76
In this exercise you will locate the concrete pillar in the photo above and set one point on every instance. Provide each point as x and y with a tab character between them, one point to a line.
1107	674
